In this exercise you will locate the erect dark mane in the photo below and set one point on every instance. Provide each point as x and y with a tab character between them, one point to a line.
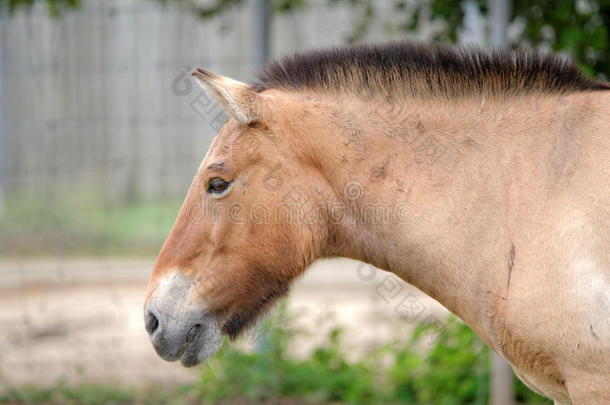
407	69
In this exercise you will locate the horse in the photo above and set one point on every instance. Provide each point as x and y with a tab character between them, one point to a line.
480	177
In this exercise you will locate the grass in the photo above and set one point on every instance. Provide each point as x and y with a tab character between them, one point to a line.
82	225
61	393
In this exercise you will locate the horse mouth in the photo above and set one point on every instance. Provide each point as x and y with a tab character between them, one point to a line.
187	357
202	341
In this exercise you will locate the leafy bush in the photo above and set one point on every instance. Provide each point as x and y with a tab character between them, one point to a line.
453	368
453	371
270	373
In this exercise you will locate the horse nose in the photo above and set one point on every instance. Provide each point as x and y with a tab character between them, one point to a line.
168	333
151	322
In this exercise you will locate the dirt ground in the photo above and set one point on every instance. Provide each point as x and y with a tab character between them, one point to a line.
81	320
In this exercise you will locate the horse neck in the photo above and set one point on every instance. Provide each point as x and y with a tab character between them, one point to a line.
439	174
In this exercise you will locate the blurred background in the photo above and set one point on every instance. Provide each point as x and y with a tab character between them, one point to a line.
101	133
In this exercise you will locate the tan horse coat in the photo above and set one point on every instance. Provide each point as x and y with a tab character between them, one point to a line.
497	204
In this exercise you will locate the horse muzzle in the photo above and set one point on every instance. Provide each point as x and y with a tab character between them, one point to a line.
178	326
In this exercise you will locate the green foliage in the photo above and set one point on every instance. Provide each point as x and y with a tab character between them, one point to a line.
27	395
581	31
213	8
453	370
55	7
325	376
579	28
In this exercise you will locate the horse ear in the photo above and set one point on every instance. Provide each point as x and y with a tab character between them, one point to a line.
236	97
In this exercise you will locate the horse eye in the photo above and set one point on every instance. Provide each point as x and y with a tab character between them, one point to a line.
217	185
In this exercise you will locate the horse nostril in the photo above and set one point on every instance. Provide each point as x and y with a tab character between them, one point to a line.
151	323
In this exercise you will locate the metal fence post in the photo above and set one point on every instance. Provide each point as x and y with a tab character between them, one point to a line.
3	165
502	380
260	34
